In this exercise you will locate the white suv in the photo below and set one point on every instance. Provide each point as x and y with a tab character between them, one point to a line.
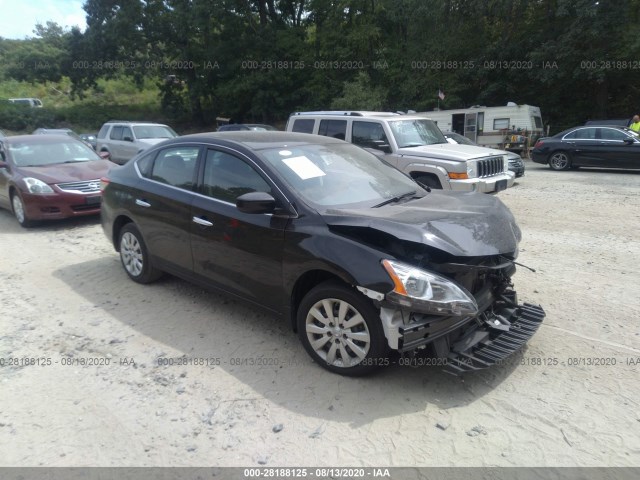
123	139
415	145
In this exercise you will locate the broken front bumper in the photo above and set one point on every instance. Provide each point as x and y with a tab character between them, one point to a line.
483	348
467	344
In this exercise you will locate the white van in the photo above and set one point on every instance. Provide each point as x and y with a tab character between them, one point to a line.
511	127
29	102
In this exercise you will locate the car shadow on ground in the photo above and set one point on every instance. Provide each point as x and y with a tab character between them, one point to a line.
46	225
202	324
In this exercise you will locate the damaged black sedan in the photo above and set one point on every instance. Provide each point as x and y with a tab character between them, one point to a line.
356	255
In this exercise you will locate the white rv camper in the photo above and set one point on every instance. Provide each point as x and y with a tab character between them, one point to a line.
512	127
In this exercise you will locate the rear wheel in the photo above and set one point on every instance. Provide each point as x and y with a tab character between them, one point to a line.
19	211
341	330
428	181
560	160
135	256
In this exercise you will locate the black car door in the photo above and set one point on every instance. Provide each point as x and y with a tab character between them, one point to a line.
620	150
238	252
584	147
162	206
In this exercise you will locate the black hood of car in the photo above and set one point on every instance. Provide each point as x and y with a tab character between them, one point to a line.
461	224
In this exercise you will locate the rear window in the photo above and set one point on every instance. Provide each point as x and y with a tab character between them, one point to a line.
303	125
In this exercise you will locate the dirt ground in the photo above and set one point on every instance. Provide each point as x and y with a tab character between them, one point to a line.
98	395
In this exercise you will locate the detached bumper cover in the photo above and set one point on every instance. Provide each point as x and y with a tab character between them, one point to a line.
487	346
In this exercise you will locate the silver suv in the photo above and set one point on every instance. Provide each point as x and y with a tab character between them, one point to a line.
415	145
124	139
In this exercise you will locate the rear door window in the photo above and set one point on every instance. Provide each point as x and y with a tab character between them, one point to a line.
333	128
176	167
116	133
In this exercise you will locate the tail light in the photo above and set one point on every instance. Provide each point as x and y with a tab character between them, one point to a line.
104	181
538	144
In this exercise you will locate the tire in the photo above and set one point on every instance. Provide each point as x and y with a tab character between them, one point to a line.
17	207
429	181
560	160
135	256
352	350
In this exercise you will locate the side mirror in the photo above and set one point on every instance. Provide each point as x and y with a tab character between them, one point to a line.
127	139
105	155
629	141
382	145
256	202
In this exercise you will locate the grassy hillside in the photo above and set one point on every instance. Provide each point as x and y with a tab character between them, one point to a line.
115	98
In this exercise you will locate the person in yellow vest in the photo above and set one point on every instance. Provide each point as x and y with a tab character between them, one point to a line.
635	124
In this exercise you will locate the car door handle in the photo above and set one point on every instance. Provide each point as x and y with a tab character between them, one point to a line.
202	221
142	203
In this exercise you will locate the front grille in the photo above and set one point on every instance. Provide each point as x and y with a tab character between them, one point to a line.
490	167
85	186
85	208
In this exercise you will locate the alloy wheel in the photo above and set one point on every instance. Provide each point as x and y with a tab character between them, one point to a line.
337	332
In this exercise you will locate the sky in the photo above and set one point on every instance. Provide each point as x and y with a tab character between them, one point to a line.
19	17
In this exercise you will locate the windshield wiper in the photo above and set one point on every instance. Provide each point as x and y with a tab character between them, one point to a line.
396	199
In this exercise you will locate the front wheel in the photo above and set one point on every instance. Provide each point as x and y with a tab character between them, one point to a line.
560	161
341	330
135	256
19	211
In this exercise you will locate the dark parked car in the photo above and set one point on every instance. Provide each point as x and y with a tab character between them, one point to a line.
356	255
235	127
589	146
49	177
516	165
620	122
90	139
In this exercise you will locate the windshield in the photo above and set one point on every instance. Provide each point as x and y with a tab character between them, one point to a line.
154	131
339	175
416	132
29	154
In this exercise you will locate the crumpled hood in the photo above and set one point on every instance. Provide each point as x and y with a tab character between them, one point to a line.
68	172
462	224
448	151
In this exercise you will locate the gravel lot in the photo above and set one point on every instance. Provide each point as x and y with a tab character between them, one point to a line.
98	396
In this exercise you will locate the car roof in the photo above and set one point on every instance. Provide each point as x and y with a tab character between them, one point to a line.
54	130
257	140
133	122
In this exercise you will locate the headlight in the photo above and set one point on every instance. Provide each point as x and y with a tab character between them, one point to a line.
505	163
427	292
471	169
37	186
